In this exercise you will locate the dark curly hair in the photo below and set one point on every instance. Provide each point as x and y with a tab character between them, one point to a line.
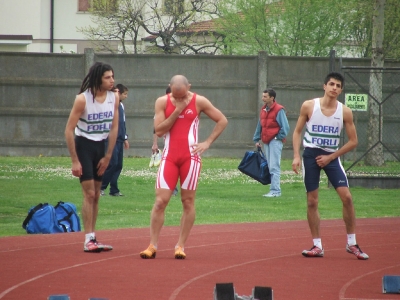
93	80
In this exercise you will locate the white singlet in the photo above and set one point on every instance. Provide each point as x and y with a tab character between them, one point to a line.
324	132
95	121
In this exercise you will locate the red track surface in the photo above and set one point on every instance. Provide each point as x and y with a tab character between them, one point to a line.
256	254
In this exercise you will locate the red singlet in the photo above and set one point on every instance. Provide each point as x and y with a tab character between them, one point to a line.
177	158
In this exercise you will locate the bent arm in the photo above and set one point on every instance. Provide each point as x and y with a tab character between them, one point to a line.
162	124
76	111
204	105
350	131
112	136
283	122
301	122
257	133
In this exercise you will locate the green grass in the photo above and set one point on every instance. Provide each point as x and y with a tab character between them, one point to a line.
224	195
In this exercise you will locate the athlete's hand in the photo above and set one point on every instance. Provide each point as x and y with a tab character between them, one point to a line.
200	148
102	165
76	169
323	160
181	105
296	165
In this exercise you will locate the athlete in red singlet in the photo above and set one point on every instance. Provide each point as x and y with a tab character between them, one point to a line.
177	159
177	118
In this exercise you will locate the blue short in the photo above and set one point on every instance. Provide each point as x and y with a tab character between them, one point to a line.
311	171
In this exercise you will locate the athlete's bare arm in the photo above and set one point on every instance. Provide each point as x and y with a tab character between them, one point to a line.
162	124
76	112
352	142
204	105
305	113
350	132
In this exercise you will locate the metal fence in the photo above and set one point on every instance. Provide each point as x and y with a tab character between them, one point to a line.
373	94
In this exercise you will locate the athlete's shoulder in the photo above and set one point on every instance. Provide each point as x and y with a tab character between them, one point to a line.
161	102
308	104
201	99
346	110
162	98
80	98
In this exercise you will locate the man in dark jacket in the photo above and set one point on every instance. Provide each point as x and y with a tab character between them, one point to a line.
114	168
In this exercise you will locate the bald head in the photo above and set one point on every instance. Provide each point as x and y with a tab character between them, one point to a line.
179	80
179	87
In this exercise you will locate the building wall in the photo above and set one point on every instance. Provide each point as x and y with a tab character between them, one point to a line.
21	17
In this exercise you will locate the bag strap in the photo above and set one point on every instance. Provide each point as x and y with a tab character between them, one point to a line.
67	217
260	151
59	205
30	214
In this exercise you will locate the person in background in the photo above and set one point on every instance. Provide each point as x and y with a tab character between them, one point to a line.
177	118
272	129
93	119
114	168
324	119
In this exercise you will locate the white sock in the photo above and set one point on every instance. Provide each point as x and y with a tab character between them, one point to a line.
89	236
176	247
318	243
351	239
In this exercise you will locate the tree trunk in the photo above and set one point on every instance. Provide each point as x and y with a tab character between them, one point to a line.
375	120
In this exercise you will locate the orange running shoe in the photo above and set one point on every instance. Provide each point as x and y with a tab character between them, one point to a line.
150	252
179	254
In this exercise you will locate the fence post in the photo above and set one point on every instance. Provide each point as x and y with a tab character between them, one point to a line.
332	60
262	62
89	59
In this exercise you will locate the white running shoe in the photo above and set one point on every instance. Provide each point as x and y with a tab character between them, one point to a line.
152	158
157	158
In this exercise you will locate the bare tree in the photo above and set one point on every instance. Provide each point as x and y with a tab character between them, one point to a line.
171	26
117	25
120	23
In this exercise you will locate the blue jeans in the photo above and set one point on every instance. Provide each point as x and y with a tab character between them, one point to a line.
273	152
114	168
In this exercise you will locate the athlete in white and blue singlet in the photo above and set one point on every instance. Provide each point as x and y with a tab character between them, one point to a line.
324	118
93	118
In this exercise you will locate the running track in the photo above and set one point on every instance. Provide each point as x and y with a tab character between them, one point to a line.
250	254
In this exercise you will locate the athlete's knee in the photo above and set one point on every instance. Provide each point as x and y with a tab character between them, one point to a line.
347	201
160	203
312	200
90	195
188	203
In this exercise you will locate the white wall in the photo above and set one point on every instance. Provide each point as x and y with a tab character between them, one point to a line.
32	17
20	17
67	19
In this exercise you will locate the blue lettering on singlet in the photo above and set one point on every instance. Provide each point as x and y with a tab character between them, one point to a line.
325	129
99	127
324	142
100	116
